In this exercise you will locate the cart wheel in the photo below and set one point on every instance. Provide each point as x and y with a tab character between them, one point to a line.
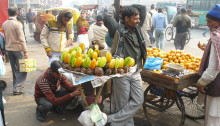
192	108
169	33
159	107
188	37
3	85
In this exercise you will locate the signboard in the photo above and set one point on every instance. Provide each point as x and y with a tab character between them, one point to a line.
4	12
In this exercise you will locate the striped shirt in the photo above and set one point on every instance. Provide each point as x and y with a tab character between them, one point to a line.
47	85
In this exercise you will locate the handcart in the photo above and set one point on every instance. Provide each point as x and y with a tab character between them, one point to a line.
168	100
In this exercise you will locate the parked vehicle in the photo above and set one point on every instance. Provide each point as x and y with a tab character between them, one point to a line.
200	8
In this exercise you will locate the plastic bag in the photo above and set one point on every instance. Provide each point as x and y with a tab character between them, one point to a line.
95	114
85	119
2	67
153	63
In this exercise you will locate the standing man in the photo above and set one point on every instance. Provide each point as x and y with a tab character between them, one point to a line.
209	83
127	95
147	28
57	35
182	22
16	48
159	24
29	19
21	17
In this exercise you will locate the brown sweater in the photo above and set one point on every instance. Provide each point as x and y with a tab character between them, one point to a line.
46	86
14	35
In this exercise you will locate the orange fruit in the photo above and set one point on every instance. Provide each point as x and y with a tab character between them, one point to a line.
177	55
174	57
165	59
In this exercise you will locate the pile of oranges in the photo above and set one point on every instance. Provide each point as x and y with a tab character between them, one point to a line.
177	57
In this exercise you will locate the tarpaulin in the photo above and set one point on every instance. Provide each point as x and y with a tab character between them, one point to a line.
3	12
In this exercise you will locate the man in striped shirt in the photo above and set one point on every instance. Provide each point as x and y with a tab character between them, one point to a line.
47	94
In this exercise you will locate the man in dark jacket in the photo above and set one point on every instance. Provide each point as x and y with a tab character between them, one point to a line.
127	95
47	94
182	22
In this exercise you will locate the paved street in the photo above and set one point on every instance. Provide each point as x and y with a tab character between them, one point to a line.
20	110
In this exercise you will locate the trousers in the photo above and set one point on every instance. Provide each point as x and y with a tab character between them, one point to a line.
127	98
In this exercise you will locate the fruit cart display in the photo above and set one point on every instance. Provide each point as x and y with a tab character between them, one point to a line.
94	67
171	94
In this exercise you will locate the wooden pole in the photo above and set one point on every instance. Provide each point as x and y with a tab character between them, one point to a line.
117	9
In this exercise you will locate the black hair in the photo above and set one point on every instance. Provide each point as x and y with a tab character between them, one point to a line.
19	8
47	11
183	10
152	6
55	65
160	10
129	11
68	15
12	11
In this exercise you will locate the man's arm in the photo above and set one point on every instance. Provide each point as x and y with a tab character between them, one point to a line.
66	84
190	22
165	22
111	24
21	39
43	37
175	21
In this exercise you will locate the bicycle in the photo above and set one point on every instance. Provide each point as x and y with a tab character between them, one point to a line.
171	31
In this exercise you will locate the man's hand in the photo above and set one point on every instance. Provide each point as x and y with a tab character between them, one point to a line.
69	42
202	46
201	88
25	55
76	93
49	54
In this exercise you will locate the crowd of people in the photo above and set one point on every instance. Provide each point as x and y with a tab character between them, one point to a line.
137	30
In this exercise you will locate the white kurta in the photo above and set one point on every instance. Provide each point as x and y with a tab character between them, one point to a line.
212	115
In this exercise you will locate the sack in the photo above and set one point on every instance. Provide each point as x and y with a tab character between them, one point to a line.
27	65
153	63
2	67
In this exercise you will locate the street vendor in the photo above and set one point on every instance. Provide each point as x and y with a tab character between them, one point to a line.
47	95
127	93
209	83
57	35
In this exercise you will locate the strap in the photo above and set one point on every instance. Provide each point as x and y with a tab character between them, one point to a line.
120	46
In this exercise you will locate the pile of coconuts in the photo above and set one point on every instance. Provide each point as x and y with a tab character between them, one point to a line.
98	71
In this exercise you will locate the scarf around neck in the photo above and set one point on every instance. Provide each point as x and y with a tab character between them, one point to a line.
215	40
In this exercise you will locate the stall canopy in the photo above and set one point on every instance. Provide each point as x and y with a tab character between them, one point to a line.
88	7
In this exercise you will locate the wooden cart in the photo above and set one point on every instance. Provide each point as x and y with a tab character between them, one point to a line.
162	94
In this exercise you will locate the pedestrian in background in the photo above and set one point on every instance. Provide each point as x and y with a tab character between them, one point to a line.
159	24
82	27
16	47
209	83
182	22
21	18
57	35
97	31
29	20
146	28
